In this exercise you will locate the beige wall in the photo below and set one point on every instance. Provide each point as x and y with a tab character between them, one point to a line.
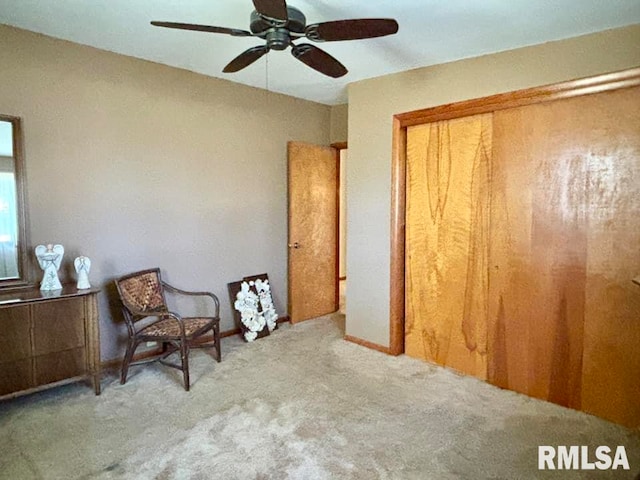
339	123
372	104
136	165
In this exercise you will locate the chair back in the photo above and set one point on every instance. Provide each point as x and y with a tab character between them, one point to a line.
141	293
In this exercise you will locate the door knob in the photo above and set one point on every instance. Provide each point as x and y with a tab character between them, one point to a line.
294	245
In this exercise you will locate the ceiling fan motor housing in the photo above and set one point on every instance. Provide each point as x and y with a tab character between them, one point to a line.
277	33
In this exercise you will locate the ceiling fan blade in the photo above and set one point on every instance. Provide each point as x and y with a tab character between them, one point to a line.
245	59
203	28
274	9
351	29
318	59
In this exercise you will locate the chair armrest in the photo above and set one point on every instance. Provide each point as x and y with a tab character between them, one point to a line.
213	297
162	315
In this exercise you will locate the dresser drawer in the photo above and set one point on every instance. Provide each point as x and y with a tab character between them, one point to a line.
15	376
58	326
60	365
15	334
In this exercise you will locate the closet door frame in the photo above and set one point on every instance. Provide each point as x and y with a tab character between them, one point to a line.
574	88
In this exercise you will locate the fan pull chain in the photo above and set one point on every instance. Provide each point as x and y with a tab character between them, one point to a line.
267	73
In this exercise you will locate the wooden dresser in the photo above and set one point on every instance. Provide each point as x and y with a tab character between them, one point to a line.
48	339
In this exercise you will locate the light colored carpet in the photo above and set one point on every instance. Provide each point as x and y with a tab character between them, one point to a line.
300	404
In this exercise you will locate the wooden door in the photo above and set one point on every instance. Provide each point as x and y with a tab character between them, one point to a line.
522	237
564	249
313	221
448	168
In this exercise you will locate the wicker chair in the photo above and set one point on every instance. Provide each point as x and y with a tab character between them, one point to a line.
142	296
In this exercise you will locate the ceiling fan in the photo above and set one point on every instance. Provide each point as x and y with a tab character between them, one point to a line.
280	25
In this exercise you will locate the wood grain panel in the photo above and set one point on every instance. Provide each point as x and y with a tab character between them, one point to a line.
551	241
565	236
15	339
60	365
58	325
16	376
608	130
538	254
447	228
92	340
313	221
513	284
398	223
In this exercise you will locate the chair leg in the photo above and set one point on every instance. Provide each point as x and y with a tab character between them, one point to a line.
216	340
128	356
184	352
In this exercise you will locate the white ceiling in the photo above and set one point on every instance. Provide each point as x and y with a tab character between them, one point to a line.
431	32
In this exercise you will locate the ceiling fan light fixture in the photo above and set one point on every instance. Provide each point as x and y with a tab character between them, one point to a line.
278	39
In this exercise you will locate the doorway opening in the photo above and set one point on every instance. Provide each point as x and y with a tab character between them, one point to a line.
341	241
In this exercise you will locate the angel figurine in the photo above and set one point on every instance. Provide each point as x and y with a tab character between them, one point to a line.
82	265
50	258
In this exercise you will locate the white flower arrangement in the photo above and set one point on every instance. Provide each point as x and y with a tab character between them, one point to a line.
266	302
247	304
255	304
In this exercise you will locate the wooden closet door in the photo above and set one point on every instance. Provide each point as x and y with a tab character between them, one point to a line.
522	240
538	255
447	232
565	245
